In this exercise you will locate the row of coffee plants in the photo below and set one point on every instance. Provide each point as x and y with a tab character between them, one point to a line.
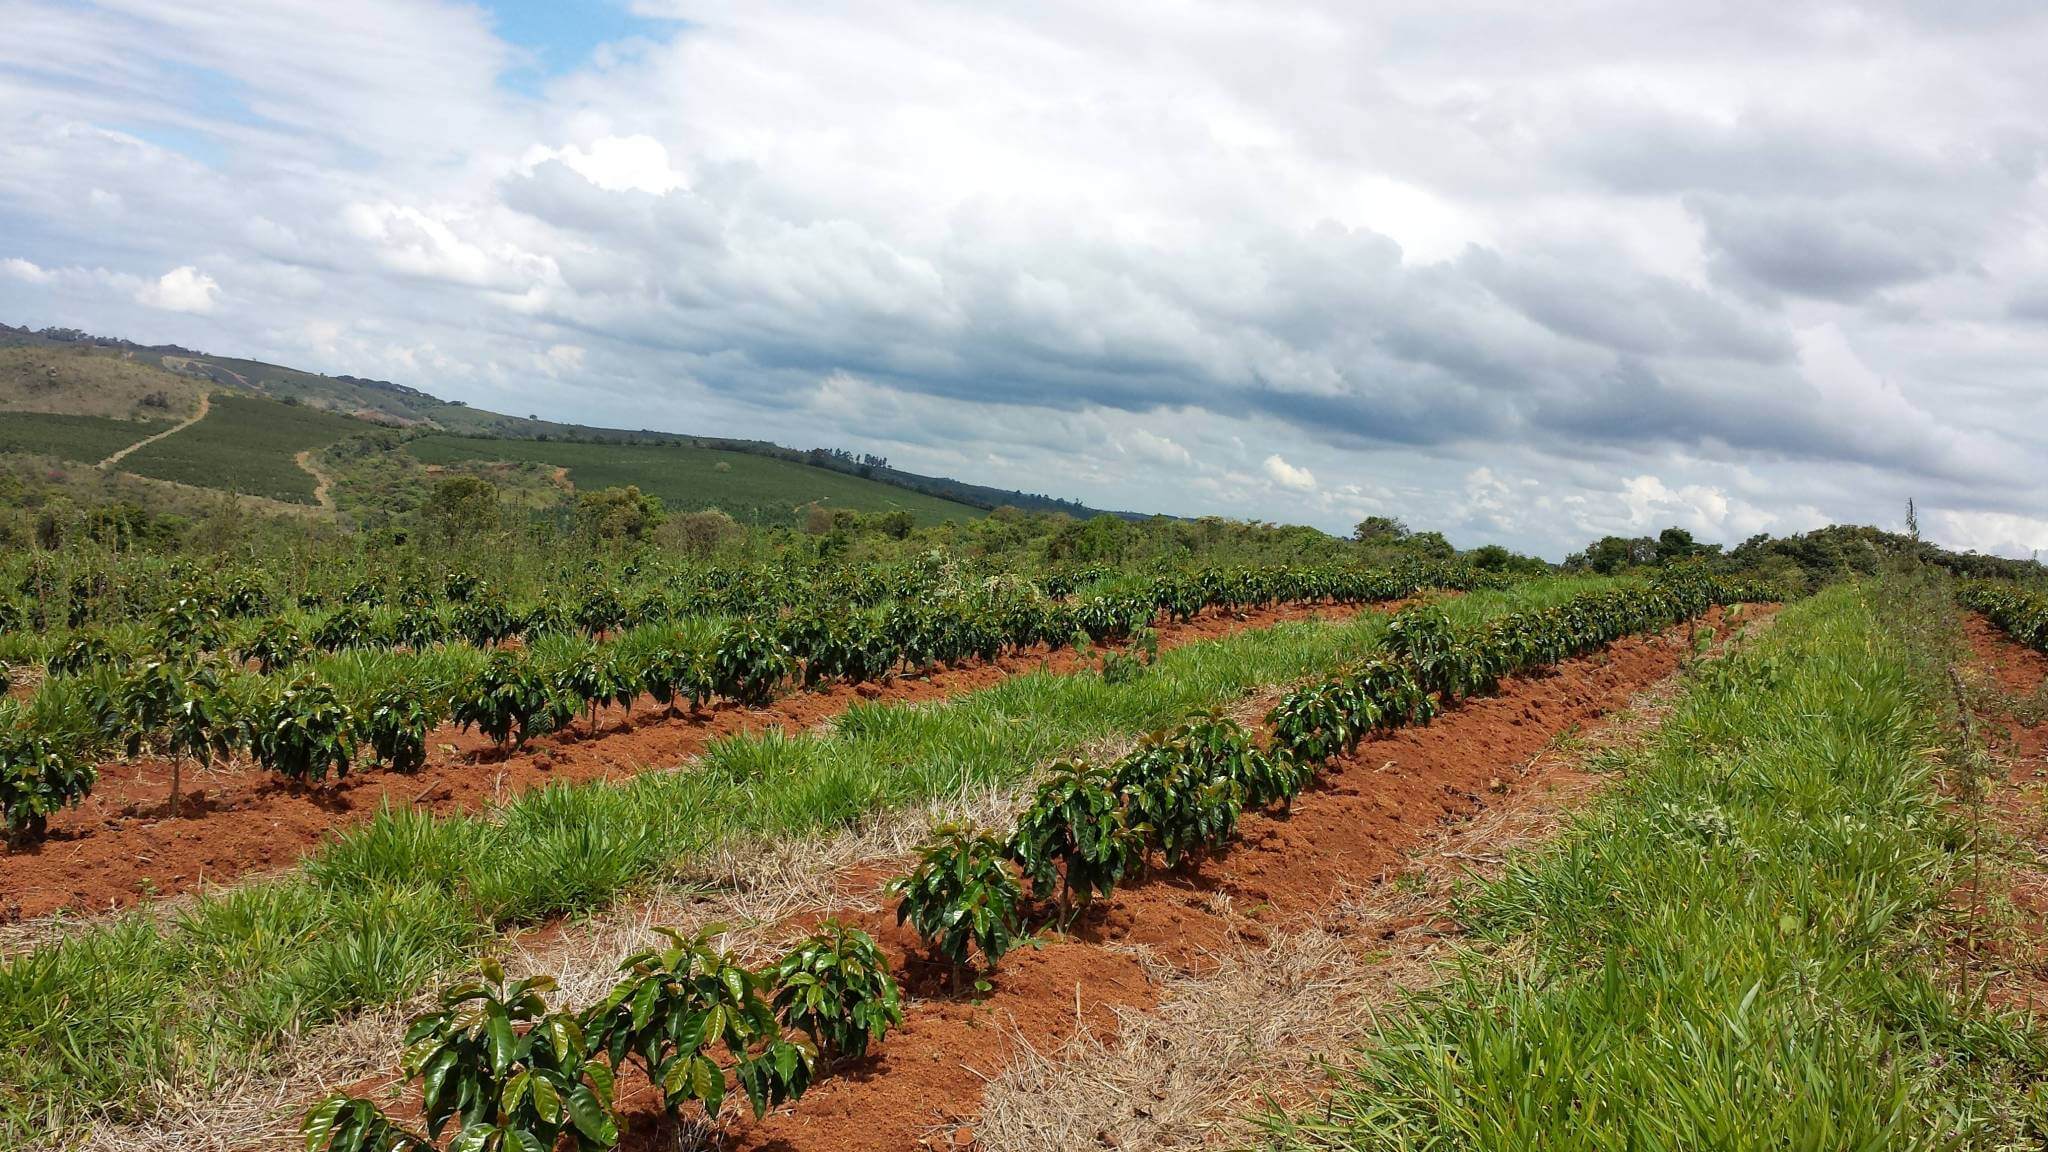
507	1072
1181	792
307	717
2018	611
98	614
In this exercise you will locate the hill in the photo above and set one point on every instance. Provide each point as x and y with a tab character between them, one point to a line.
762	491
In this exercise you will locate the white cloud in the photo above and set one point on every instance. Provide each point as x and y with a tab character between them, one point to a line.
1517	273
23	271
1287	475
617	164
182	289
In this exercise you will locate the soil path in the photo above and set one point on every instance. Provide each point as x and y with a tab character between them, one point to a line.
1352	832
120	847
205	406
321	483
2008	697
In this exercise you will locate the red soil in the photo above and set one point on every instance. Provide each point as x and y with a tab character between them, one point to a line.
121	846
921	1087
2017	803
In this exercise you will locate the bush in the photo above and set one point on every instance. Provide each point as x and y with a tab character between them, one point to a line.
306	732
835	987
960	897
675	1004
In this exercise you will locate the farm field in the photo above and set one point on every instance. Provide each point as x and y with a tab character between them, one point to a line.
754	489
245	445
261	811
874	753
78	439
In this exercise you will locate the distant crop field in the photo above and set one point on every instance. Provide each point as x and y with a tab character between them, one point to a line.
86	439
245	445
751	488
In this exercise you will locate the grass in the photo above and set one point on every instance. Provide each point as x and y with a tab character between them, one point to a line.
1742	948
246	445
143	1009
82	439
752	488
80	381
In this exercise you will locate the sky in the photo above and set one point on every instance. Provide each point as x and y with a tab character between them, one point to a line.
1519	273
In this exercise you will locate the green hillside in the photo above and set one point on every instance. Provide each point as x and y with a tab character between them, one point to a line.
753	488
245	445
85	439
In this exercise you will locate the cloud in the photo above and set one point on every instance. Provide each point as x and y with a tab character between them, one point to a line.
182	289
1288	476
23	271
617	164
1529	275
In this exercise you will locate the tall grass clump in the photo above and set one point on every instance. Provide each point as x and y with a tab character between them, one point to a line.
1741	948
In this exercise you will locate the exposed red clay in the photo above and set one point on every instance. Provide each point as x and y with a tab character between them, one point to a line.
2016	801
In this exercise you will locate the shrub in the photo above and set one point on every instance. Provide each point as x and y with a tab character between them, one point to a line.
675	1004
306	732
397	728
518	1076
505	697
749	664
38	776
960	897
1077	834
835	987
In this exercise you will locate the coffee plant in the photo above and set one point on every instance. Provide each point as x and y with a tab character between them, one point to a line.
960	897
305	733
1076	833
677	1004
516	1076
835	987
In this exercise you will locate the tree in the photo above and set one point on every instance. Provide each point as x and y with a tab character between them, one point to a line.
619	515
700	533
461	506
1380	530
1676	544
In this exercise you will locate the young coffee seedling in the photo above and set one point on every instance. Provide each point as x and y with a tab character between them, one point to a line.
960	897
517	1076
1077	834
835	987
676	1004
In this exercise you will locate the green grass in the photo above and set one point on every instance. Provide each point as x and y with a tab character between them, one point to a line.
245	445
124	1015
757	489
85	439
1742	949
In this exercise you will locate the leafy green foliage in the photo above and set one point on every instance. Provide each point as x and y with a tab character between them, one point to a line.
505	699
1076	834
676	1004
306	732
516	1075
275	646
343	1123
397	726
39	775
836	988
960	897
750	664
1189	803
